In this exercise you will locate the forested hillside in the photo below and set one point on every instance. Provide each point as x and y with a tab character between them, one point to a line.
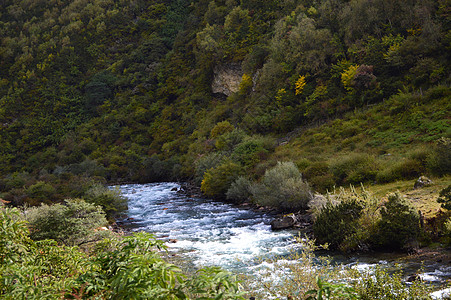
132	90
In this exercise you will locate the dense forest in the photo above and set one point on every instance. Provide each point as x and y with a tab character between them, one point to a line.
272	102
137	90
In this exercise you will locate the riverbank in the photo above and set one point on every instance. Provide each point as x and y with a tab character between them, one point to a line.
200	232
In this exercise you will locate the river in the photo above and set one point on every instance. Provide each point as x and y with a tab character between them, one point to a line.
210	233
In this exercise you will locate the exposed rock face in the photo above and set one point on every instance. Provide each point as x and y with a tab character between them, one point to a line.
421	182
227	79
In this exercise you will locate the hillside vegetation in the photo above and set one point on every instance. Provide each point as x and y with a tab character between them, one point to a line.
123	89
262	101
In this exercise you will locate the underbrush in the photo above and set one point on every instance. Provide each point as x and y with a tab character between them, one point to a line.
352	221
304	275
117	268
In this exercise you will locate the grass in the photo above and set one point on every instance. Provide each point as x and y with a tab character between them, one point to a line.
424	199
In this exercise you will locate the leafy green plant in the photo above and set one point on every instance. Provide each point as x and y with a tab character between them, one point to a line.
206	162
252	150
439	162
72	223
34	270
110	199
326	291
133	268
129	268
217	181
337	222
402	170
445	198
282	187
354	169
41	191
399	223
378	283
221	128
239	190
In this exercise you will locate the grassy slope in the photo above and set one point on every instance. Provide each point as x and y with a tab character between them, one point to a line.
391	133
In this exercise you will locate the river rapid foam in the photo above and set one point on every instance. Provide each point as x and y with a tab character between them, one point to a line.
208	233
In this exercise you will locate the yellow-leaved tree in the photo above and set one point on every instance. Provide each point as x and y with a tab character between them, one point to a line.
347	77
299	85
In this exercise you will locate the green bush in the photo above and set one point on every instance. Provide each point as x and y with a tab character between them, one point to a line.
316	169
282	187
252	150
111	200
445	198
221	128
134	269
378	283
354	169
229	140
131	268
338	222
439	162
41	191
399	224
13	235
88	167
155	169
218	180
319	177
402	170
72	223
322	183
205	163
239	191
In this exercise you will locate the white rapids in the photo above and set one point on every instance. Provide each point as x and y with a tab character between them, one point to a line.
209	233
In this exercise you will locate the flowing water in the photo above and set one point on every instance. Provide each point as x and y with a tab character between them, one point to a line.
210	233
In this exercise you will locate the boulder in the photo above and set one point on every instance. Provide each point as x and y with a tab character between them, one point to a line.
422	182
283	223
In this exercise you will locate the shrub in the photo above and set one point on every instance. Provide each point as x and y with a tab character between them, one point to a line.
155	169
439	161
35	270
229	140
322	183
252	149
13	234
338	222
347	220
354	169
117	269
399	224
111	200
41	191
221	128
319	177
88	167
316	169
205	163
72	223
217	180
134	269
447	229
282	187
445	198
378	283
239	191
404	169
